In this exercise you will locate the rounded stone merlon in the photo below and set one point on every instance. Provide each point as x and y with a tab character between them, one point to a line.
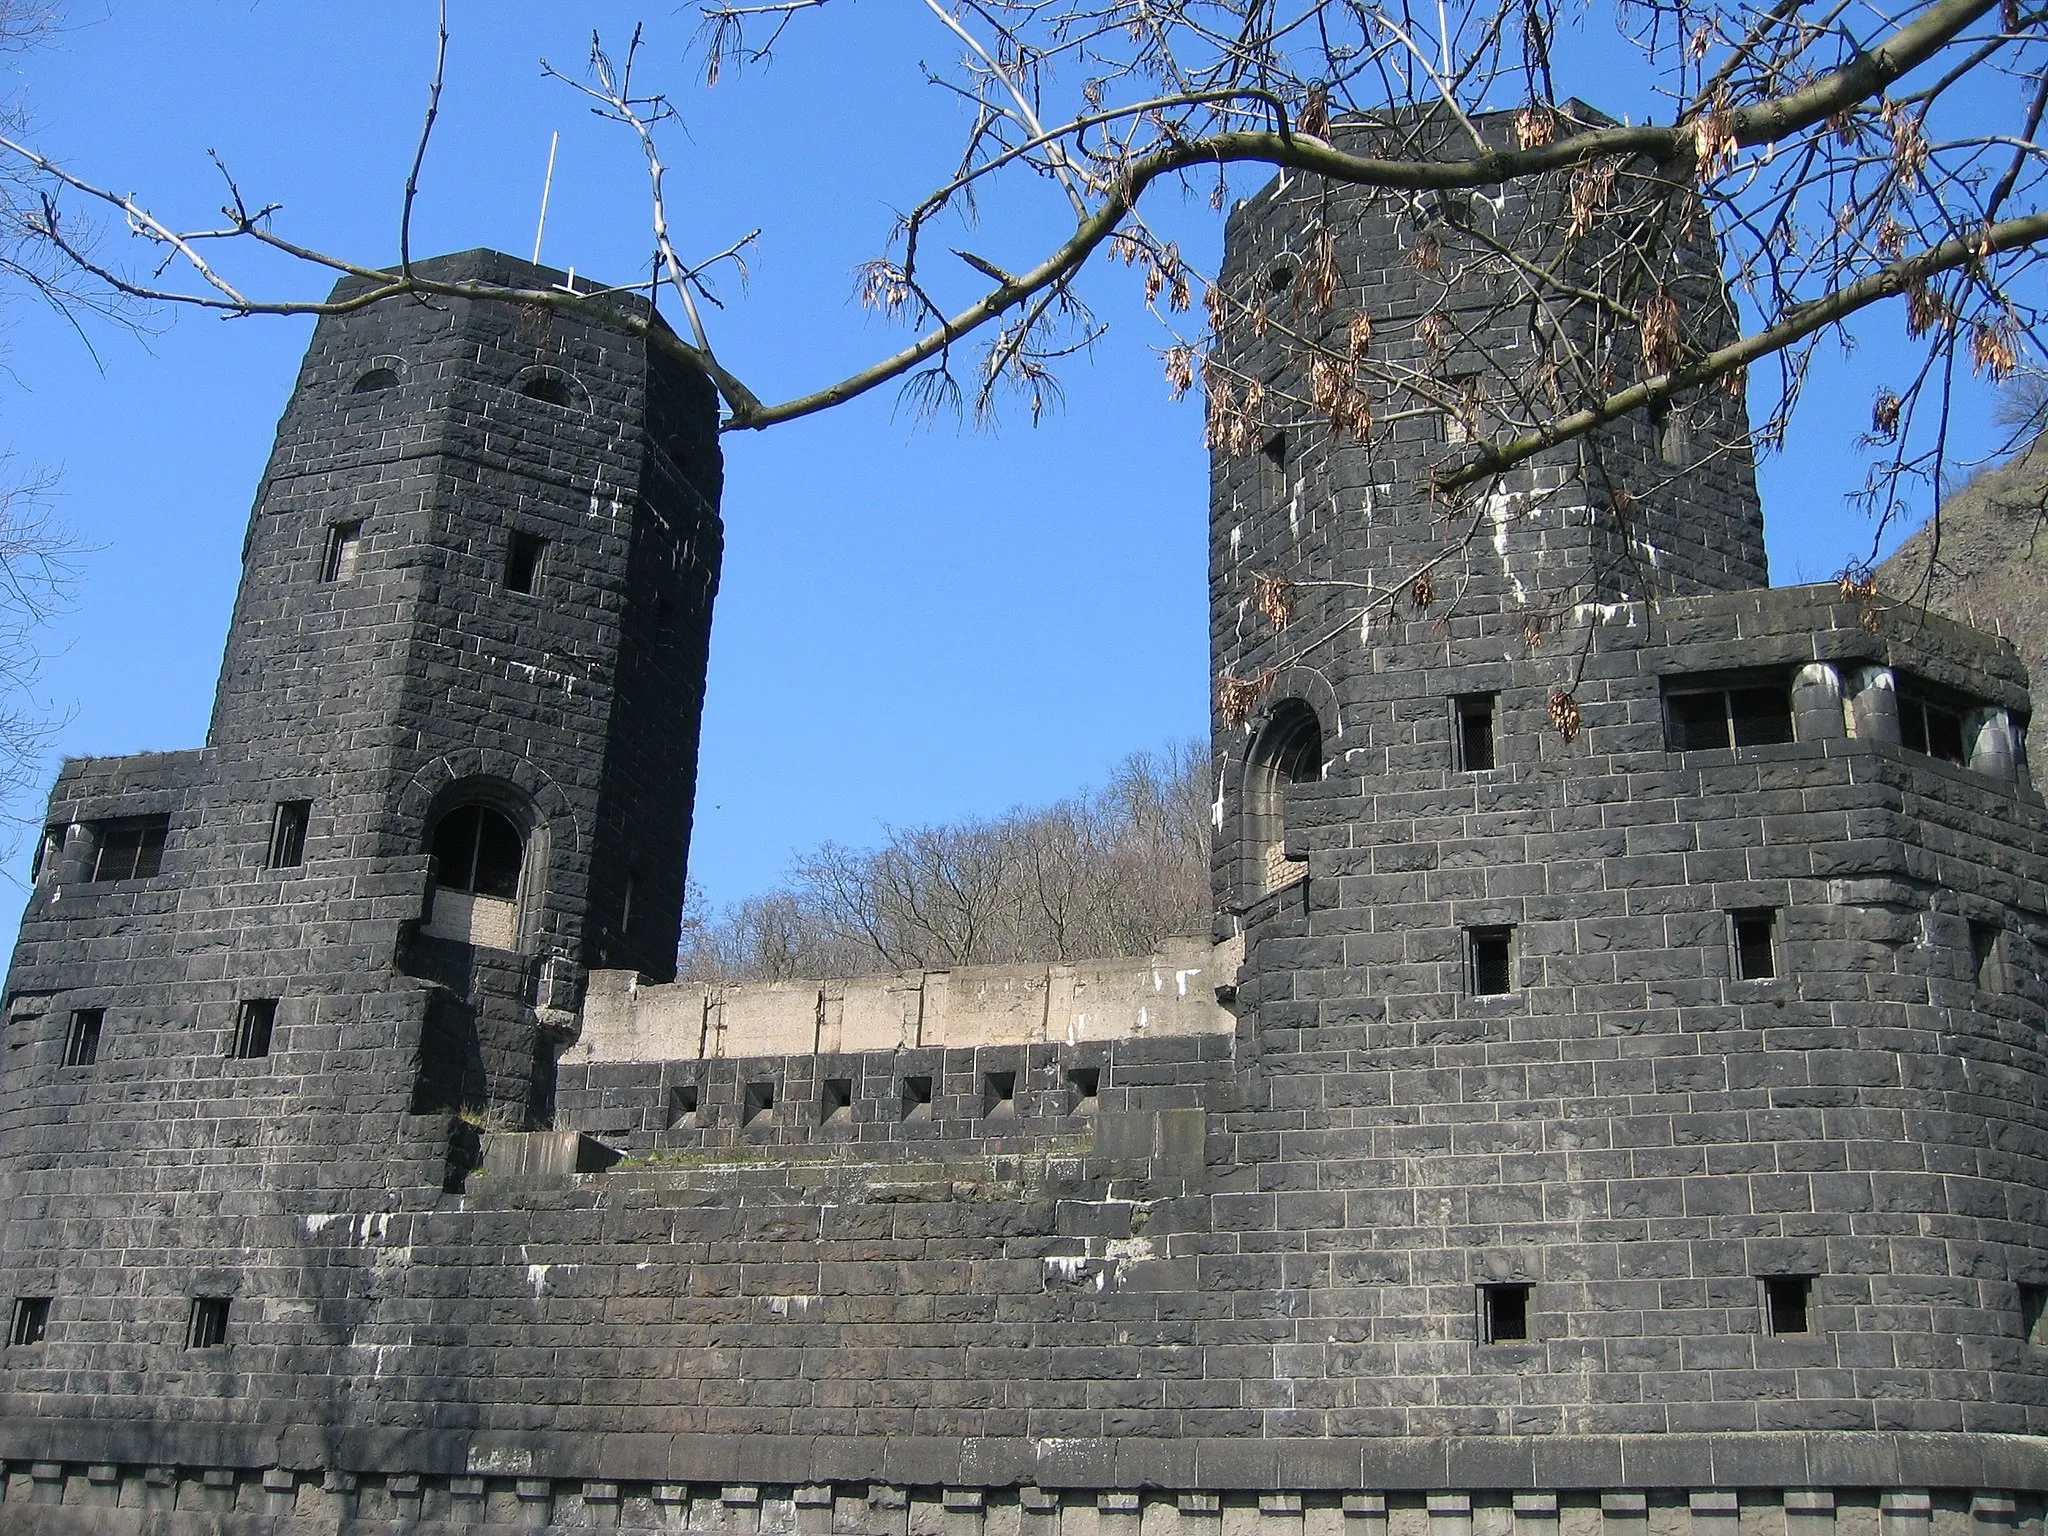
1874	705
1994	744
1817	703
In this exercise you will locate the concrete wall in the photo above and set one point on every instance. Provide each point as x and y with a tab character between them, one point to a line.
1173	991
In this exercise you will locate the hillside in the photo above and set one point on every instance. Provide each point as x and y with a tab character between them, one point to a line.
1990	567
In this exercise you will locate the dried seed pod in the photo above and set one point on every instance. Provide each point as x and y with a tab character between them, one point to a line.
1564	714
1422	592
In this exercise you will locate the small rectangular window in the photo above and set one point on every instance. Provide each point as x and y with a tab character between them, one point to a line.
998	1093
1086	1083
1754	933
1751	714
344	546
523	555
132	848
835	1102
1490	964
1273	470
1788	1304
2034	1314
1984	955
82	1039
917	1098
1475	730
1933	725
758	1105
1504	1314
682	1107
288	833
31	1320
254	1022
209	1326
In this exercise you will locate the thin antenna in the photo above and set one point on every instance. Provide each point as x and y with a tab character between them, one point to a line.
546	187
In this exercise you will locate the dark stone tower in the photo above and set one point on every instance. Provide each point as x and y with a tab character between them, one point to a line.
450	767
1639	1028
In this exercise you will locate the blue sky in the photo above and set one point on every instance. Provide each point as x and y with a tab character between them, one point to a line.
916	622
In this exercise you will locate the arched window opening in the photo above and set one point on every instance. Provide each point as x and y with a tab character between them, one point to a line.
374	380
478	855
1289	751
549	387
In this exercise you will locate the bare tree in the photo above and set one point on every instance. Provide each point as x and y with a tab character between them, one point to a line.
1106	874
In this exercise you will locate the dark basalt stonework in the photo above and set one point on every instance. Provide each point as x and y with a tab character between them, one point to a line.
1238	1294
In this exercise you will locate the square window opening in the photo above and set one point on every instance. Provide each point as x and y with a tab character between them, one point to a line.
208	1328
131	849
998	1093
2034	1314
1984	955
1504	1314
1086	1083
1788	1304
254	1022
82	1039
344	549
835	1103
1760	717
917	1098
31	1320
757	1108
288	834
682	1107
1755	935
1490	961
523	555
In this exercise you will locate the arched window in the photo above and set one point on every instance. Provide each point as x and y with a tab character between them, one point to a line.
374	380
478	855
549	387
1289	751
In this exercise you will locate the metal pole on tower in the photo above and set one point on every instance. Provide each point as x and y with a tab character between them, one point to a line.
546	187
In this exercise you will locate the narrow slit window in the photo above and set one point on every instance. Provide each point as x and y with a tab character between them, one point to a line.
2034	1314
998	1093
208	1328
82	1038
131	849
288	834
1984	955
1475	712
1755	943
524	553
917	1098
1788	1304
31	1321
835	1102
344	549
255	1021
1490	961
1504	1314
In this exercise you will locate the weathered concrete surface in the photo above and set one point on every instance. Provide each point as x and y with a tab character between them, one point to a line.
1172	991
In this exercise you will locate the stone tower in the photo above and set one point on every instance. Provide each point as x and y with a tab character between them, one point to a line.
1624	1036
450	767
